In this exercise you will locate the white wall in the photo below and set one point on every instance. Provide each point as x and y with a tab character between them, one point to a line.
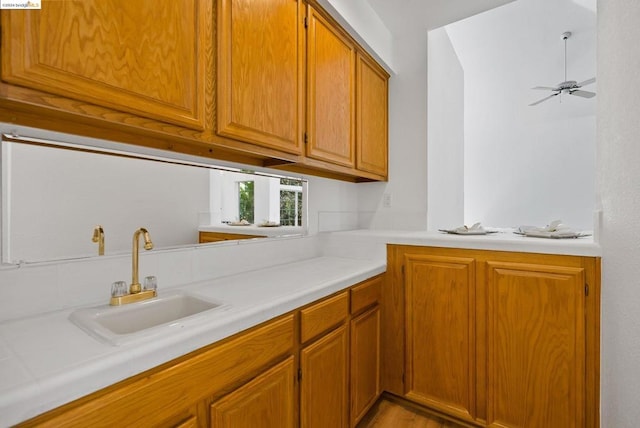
365	25
333	205
445	151
617	185
527	165
407	185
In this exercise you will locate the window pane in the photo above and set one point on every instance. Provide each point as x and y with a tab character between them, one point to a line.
245	197
299	199
288	208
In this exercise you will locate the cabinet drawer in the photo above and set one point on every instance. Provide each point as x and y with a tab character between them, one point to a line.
366	294
321	317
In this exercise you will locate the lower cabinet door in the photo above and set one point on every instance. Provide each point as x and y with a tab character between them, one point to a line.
440	322
324	394
267	401
536	344
365	363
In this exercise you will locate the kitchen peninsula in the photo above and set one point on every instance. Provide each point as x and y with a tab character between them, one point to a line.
45	375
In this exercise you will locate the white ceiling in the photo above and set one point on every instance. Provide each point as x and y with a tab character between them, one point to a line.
513	48
410	15
517	39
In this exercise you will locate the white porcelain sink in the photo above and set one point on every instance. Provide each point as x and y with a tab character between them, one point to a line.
122	324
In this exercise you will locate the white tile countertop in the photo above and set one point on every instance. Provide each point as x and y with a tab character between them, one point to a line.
345	243
46	361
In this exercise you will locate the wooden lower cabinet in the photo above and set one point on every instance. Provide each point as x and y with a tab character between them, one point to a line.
267	401
288	372
365	363
191	422
440	326
178	391
535	345
497	339
324	386
324	363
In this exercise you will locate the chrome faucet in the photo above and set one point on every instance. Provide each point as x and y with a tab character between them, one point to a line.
98	236
136	293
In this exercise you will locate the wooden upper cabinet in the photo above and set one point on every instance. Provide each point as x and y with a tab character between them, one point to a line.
151	58
330	92
372	117
260	72
536	345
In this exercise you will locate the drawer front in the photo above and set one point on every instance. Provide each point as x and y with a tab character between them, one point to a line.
322	316
366	294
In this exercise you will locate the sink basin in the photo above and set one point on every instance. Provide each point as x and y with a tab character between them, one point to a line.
122	324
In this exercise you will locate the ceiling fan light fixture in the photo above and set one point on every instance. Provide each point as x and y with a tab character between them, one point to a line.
570	87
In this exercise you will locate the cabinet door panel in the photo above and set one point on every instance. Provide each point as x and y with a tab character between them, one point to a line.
147	57
331	93
365	363
324	394
440	322
372	119
536	346
260	79
266	402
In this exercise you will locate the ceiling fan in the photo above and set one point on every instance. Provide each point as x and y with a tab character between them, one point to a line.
570	87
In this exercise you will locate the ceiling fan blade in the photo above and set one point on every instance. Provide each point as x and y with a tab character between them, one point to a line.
586	82
544	99
583	94
545	88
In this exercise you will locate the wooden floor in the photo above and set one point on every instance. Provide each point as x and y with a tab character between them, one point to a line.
386	414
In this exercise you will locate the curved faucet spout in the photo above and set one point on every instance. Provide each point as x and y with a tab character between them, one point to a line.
98	236
135	286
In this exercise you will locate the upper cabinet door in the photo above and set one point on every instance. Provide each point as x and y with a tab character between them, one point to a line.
146	57
260	72
372	119
331	93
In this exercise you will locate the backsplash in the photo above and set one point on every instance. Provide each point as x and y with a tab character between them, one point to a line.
43	287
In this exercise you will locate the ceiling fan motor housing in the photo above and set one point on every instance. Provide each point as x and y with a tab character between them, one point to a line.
569	84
